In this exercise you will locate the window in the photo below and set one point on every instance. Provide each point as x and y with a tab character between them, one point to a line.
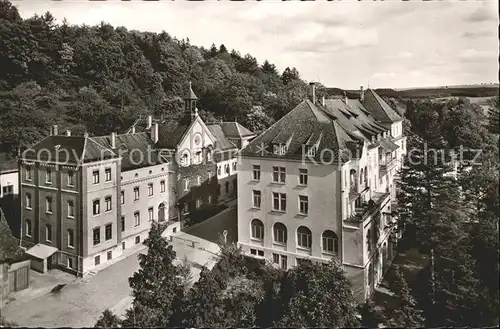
8	190
227	187
186	208
70	262
302	176
279	149
107	174
48	233
226	169
304	237
310	150
107	202
96	207
260	253
29	177
97	260
150	189
366	175
123	245
162	186
48	205
71	181
28	201
137	219
71	238
361	176
279	174
234	166
279	201
253	251
209	174
186	184
95	177
256	172
210	199
276	258
108	232
369	240
280	233
257	229
284	263
136	193
330	242
122	222
109	255
122	197
185	160
303	204
48	176
198	180
198	202
71	209
28	228
209	156
150	214
218	170
256	199
97	236
137	239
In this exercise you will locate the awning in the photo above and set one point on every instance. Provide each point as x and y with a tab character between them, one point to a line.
41	251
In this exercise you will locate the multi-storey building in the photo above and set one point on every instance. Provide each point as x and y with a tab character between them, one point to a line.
319	183
205	161
84	200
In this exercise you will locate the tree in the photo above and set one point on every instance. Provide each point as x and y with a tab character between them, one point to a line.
289	75
108	320
156	286
494	116
268	68
316	295
406	314
371	315
222	49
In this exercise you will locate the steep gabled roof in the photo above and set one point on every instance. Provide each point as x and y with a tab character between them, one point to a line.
222	143
379	108
235	130
170	134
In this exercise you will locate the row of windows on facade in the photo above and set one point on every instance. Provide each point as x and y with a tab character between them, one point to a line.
279	175
330	243
109	253
279	202
281	260
48	233
48	205
70	176
185	159
8	190
226	169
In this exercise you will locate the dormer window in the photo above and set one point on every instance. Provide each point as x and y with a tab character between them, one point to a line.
279	149
310	150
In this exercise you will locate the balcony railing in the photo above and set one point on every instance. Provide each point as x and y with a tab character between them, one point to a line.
367	208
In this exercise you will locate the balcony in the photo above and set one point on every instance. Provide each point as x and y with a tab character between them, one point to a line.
386	165
367	209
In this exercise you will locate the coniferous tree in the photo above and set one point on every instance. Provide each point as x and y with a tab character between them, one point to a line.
156	286
108	320
406	314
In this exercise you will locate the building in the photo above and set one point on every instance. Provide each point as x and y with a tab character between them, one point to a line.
8	182
204	157
85	200
319	183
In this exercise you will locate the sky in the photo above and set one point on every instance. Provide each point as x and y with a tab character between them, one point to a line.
343	44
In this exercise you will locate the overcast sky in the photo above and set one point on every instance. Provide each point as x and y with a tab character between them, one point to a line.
343	44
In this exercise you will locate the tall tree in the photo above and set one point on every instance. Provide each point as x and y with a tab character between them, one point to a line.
108	320
406	314
156	286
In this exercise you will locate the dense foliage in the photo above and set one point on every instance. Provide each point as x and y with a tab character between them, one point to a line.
101	78
451	211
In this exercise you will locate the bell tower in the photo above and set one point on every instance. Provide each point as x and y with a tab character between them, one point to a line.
190	102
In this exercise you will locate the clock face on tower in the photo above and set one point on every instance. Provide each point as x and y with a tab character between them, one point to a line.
197	140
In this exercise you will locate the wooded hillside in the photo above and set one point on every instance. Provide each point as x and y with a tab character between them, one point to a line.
101	78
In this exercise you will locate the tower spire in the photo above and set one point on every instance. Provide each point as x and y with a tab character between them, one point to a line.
190	101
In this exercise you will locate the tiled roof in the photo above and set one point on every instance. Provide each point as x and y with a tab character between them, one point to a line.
235	130
68	149
222	143
137	150
388	144
379	108
170	134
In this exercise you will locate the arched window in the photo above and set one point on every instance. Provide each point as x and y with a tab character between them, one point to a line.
185	161
209	155
304	237
257	229
161	212
352	175
28	227
280	233
330	242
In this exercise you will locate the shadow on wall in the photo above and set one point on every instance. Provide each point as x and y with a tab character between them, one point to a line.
12	212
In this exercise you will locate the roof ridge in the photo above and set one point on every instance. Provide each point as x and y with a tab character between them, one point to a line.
238	128
84	150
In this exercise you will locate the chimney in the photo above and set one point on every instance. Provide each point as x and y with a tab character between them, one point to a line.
154	132
133	129
323	101
113	140
150	121
361	94
345	97
54	130
312	92
68	133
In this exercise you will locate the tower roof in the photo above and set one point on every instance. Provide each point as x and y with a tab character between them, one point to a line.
190	94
